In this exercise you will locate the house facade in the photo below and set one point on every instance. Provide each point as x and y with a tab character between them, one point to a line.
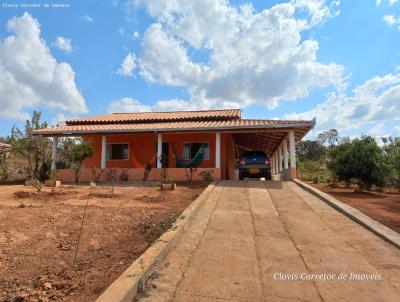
130	141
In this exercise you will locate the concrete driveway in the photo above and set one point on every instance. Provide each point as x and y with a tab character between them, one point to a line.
273	241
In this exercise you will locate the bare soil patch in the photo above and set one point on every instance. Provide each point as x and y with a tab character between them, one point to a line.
383	207
39	234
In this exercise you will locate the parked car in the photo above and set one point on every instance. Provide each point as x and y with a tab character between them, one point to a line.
254	164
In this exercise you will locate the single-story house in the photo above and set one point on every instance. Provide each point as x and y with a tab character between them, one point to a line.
130	140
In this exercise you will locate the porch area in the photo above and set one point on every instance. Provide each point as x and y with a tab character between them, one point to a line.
213	154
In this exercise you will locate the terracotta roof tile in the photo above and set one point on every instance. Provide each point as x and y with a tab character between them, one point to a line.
175	126
222	114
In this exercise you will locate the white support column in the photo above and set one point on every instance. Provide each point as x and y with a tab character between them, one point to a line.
217	150
280	159
276	163
159	150
292	150
54	153
285	155
273	164
103	152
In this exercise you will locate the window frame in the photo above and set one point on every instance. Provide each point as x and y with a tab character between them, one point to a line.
108	156
196	142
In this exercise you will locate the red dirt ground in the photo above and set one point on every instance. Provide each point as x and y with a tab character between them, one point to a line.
38	237
384	208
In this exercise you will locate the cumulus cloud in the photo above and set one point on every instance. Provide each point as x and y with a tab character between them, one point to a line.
127	105
31	76
63	44
247	57
128	65
375	101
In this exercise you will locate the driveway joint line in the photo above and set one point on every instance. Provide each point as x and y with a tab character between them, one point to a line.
299	250
260	272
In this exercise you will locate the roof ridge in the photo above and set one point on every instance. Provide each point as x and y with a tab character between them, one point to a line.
177	111
261	119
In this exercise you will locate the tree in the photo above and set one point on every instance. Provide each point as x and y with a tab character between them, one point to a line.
362	161
4	155
391	150
77	154
65	144
34	149
328	138
310	150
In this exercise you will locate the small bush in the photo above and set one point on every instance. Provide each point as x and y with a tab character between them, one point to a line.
207	175
124	176
44	171
316	179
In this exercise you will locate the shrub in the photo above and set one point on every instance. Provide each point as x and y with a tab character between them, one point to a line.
207	175
97	174
44	171
124	176
310	169
110	177
361	161
317	179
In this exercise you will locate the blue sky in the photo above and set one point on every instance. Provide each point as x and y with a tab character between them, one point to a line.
337	61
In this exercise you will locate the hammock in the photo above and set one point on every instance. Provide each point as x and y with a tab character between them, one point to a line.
194	163
137	164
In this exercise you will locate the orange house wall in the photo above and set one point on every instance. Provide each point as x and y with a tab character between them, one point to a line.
143	146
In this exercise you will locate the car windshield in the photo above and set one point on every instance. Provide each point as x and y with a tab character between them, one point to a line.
254	154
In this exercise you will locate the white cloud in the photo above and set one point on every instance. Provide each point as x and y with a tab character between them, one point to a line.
165	59
127	105
135	34
389	19
30	76
392	20
87	18
60	118
247	57
128	65
375	101
391	2
63	44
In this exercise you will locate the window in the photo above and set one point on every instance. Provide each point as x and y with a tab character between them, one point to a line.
117	151
190	150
